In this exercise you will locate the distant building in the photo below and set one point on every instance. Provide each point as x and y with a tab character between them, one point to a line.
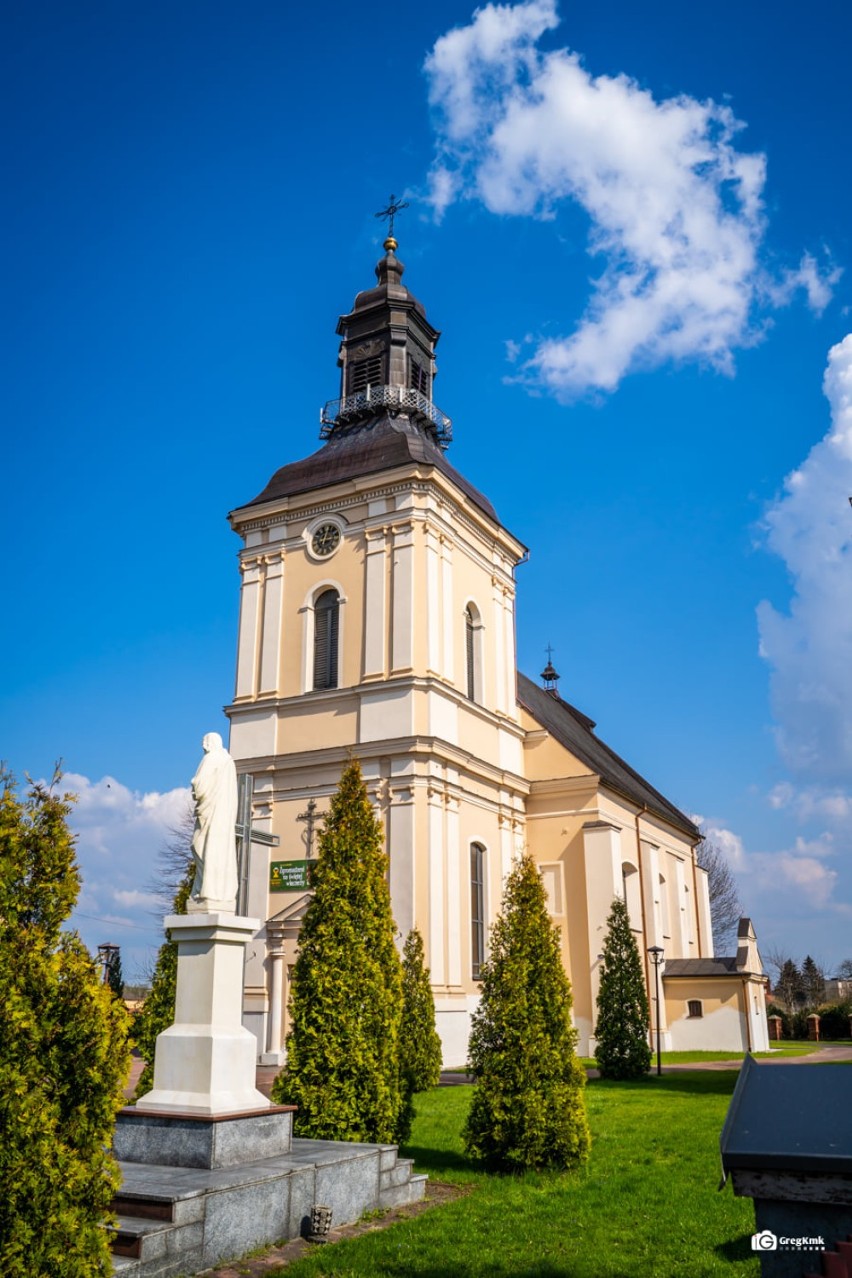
838	990
378	616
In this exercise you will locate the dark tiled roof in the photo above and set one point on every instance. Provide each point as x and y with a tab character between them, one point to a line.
701	967
574	730
367	450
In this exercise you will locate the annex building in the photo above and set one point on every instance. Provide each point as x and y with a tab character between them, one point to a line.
377	617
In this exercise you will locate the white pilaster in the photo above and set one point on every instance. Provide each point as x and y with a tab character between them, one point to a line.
375	604
433	602
273	598
447	604
509	628
273	1054
602	854
401	848
455	885
437	910
649	855
704	916
249	627
402	636
506	848
500	703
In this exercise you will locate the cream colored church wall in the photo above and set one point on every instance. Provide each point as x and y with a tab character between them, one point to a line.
722	1025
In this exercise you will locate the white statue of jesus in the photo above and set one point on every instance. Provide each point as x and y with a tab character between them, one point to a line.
214	848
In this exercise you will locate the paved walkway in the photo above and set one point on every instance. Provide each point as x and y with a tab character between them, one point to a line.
454	1078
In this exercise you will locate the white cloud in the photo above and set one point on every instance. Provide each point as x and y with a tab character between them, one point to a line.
676	210
730	843
119	833
813	802
809	647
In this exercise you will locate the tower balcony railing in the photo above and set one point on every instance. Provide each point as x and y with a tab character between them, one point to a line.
403	399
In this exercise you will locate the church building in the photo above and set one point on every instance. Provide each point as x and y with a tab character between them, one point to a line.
377	618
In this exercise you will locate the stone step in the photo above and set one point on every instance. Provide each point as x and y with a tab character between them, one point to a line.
400	1174
412	1191
137	1238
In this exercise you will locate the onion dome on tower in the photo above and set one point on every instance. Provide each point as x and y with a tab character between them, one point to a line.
385	415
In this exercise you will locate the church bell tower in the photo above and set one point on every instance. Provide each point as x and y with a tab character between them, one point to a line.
377	619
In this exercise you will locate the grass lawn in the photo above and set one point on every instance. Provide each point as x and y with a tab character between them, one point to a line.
645	1206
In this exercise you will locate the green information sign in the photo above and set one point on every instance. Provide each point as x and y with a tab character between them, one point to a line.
288	876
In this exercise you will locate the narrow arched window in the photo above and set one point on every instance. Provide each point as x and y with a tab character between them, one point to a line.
477	909
470	651
632	895
326	628
664	907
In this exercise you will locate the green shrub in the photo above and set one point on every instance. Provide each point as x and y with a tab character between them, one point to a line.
419	1044
622	1050
527	1108
63	1054
343	1068
834	1020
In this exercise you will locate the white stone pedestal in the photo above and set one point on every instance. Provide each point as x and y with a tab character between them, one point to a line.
206	1061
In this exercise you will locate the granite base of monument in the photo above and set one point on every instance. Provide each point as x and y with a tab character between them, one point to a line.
209	1168
175	1220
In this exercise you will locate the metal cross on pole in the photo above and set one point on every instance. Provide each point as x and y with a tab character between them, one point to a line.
246	835
310	818
391	211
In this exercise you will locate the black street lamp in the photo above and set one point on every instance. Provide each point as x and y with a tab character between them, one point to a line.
656	952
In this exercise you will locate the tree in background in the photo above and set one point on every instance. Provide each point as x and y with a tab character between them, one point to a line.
63	1053
813	983
788	988
420	1046
158	1011
112	971
527	1108
343	1067
623	1049
725	906
844	970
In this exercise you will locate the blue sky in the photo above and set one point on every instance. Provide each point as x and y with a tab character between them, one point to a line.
631	226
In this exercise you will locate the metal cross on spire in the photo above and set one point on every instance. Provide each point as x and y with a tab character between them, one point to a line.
391	211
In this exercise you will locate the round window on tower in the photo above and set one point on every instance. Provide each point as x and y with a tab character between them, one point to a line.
325	540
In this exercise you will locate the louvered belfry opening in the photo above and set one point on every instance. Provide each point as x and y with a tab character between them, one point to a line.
326	627
366	372
477	909
418	378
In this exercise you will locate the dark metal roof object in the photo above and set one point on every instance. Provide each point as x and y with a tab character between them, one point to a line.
574	730
702	967
786	1117
383	444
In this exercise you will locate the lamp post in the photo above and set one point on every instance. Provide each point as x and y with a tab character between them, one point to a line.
656	952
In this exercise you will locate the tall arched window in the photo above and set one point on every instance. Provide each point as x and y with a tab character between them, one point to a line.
477	908
632	894
326	628
664	907
473	652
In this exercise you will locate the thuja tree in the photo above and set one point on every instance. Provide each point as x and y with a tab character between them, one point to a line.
528	1108
346	995
158	1010
420	1046
623	1050
63	1054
